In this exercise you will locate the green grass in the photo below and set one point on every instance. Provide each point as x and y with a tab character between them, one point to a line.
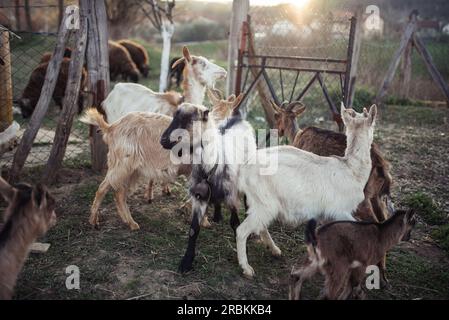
441	235
426	208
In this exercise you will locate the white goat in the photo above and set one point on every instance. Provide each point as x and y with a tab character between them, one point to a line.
198	74
305	185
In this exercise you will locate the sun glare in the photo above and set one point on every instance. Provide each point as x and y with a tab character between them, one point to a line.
298	3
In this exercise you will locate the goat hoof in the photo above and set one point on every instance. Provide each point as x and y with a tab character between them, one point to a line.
248	272
185	266
134	226
276	252
205	223
150	201
385	284
217	219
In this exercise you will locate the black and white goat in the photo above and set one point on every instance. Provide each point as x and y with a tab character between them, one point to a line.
217	153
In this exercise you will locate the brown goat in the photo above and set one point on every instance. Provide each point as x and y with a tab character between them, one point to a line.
32	91
138	54
121	63
327	143
29	215
46	57
343	250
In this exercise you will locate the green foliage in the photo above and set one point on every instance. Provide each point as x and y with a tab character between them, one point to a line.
441	234
426	208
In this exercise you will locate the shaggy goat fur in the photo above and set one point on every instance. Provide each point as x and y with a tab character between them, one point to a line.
121	63
46	57
29	215
302	185
221	151
343	250
32	91
8	138
138	54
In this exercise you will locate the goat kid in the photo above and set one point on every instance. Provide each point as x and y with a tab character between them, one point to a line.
29	215
342	251
305	185
221	151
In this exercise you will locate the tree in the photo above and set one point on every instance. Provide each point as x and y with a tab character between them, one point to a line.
160	13
28	15
121	15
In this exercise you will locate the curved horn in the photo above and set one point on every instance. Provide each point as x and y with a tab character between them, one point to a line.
237	103
276	108
294	104
177	62
6	190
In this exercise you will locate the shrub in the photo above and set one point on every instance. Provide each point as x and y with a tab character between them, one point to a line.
426	208
441	235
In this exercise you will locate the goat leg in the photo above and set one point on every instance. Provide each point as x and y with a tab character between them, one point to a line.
217	212
189	256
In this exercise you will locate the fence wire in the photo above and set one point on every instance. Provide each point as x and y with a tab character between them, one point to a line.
323	32
26	52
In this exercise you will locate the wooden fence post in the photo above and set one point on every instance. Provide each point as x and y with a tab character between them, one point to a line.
406	71
436	76
70	105
51	77
406	38
5	82
240	9
98	68
355	55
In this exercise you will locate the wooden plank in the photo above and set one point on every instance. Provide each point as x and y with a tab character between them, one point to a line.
70	106
98	69
262	86
406	71
240	9
436	75
357	42
5	82
51	78
406	38
39	247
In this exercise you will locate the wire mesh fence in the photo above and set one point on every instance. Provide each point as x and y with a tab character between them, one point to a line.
322	31
28	52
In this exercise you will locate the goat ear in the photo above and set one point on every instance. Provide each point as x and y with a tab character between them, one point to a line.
39	196
7	190
297	108
213	95
372	114
232	98
177	62
186	54
236	104
345	114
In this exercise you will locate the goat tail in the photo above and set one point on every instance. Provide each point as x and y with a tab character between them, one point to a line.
95	118
310	233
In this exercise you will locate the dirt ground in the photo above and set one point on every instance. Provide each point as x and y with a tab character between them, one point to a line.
116	263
